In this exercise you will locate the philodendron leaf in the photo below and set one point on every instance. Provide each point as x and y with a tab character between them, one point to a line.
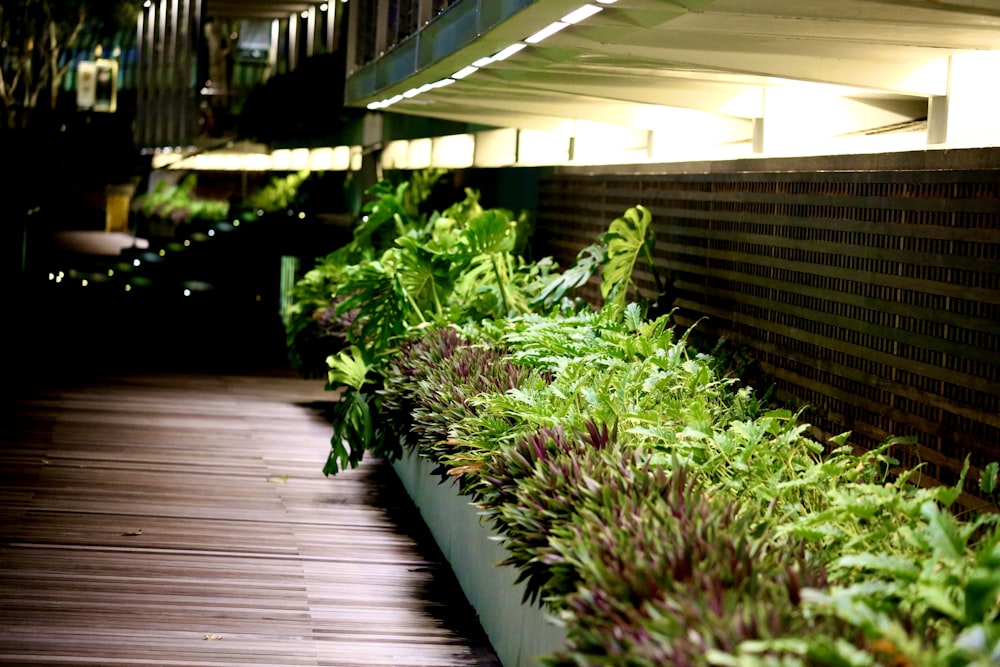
374	291
348	367
353	432
626	238
491	231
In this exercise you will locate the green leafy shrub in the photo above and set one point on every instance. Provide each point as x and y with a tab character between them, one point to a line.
280	194
658	506
178	203
456	266
672	575
667	515
316	326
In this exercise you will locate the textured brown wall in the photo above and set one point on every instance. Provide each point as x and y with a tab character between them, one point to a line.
865	287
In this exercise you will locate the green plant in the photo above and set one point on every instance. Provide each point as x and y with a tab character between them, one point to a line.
628	238
672	575
315	325
696	525
280	194
179	203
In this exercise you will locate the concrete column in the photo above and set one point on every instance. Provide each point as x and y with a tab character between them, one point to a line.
971	109
293	41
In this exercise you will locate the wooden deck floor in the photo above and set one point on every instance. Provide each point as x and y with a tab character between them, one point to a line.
173	519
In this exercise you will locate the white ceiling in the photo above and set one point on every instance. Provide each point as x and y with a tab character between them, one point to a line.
716	56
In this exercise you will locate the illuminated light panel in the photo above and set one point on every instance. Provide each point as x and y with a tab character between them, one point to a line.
454	151
341	158
582	13
395	155
482	62
281	159
420	153
509	51
257	162
300	159
321	159
464	72
547	31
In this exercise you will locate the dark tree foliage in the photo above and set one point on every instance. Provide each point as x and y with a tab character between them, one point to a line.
303	106
35	37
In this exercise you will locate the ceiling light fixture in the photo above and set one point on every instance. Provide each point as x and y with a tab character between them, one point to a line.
582	13
464	72
509	51
573	17
547	31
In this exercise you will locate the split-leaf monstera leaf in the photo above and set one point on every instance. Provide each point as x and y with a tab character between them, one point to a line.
627	238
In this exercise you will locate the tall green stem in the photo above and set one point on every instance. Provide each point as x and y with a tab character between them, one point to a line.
652	268
495	258
410	299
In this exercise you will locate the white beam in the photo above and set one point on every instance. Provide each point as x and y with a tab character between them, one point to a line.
795	116
970	113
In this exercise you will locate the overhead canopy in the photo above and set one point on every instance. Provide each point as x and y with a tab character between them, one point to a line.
850	65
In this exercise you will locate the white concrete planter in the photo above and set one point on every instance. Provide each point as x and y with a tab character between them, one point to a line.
520	633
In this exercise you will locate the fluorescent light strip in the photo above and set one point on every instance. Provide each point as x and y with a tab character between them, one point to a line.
509	51
573	17
412	92
582	13
547	31
464	72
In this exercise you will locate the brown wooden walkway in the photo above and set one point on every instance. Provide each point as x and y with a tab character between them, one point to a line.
172	519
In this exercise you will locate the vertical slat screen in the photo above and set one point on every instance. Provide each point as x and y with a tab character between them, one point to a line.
870	296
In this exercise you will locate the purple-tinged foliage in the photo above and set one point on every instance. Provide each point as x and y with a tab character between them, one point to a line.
434	381
667	574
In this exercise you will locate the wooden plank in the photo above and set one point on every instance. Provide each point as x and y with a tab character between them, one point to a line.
184	520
